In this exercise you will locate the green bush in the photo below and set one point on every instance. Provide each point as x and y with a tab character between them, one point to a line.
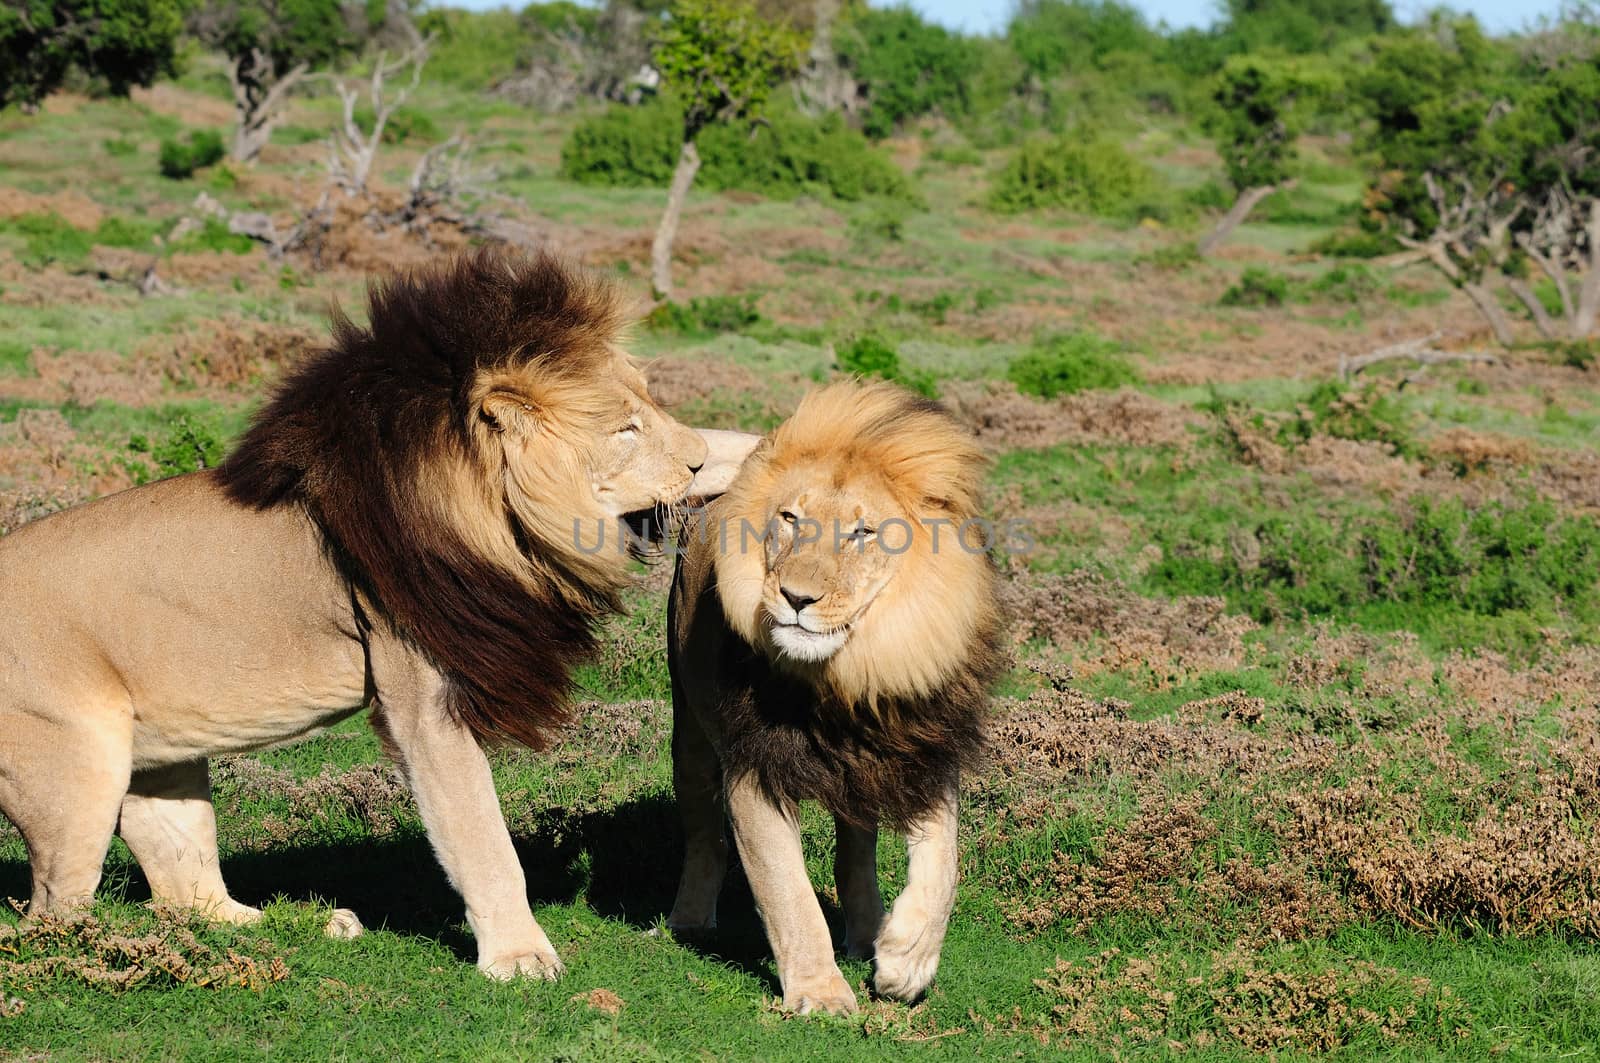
180	159
1069	363
117	231
872	356
187	446
1353	283
706	316
785	157
908	67
404	125
1088	174
1355	243
214	236
1257	287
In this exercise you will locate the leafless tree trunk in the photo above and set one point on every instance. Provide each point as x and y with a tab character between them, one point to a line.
824	86
1247	201
258	99
351	152
667	231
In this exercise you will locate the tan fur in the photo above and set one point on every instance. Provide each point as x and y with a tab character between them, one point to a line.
925	604
148	631
882	628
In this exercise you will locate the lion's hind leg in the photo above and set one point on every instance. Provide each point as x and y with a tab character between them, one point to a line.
907	953
697	786
855	875
62	777
170	825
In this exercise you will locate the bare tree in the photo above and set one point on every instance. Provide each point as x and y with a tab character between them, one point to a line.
1564	243
351	151
258	100
1471	240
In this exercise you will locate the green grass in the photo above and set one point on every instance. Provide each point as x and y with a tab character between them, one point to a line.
1433	575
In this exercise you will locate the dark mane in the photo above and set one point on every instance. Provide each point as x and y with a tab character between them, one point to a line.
352	434
864	765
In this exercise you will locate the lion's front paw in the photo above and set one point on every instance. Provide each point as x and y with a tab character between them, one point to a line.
829	994
229	910
906	962
535	963
343	925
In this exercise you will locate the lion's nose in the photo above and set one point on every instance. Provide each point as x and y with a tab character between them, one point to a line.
796	602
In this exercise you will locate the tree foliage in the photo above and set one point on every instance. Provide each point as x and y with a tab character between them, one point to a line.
722	60
907	67
121	43
1262	104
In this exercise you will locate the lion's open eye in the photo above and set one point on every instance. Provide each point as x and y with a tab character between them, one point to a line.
861	534
788	517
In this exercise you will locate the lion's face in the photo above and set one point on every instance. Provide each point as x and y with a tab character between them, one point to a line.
646	458
832	546
576	451
846	545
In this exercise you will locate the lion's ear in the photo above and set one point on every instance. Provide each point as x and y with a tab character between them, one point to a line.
503	411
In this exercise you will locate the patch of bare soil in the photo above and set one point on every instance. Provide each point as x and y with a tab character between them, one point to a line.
1106	627
45	467
674	381
227	354
53	285
1006	420
194	108
75	208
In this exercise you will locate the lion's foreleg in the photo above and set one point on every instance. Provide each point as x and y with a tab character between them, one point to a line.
769	846
450	778
170	825
908	947
855	874
697	786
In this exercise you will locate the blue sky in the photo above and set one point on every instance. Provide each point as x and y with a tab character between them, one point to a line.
989	15
979	16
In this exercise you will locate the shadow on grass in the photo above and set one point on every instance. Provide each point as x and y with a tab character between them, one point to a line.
622	861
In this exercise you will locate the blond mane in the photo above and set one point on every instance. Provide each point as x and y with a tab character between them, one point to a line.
930	625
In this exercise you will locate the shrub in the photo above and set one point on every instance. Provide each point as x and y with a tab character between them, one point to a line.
180	159
872	356
404	125
789	155
1092	175
908	67
117	231
1257	287
120	147
215	236
1069	363
1354	283
706	316
1355	243
187	446
1369	414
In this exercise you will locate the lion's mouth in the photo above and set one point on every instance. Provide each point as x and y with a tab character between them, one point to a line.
802	644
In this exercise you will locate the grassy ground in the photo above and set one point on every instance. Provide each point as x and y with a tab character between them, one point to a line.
1298	757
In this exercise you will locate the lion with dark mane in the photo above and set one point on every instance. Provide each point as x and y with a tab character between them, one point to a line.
399	529
832	635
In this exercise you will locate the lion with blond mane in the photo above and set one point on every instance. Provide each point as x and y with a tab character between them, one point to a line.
832	635
398	530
